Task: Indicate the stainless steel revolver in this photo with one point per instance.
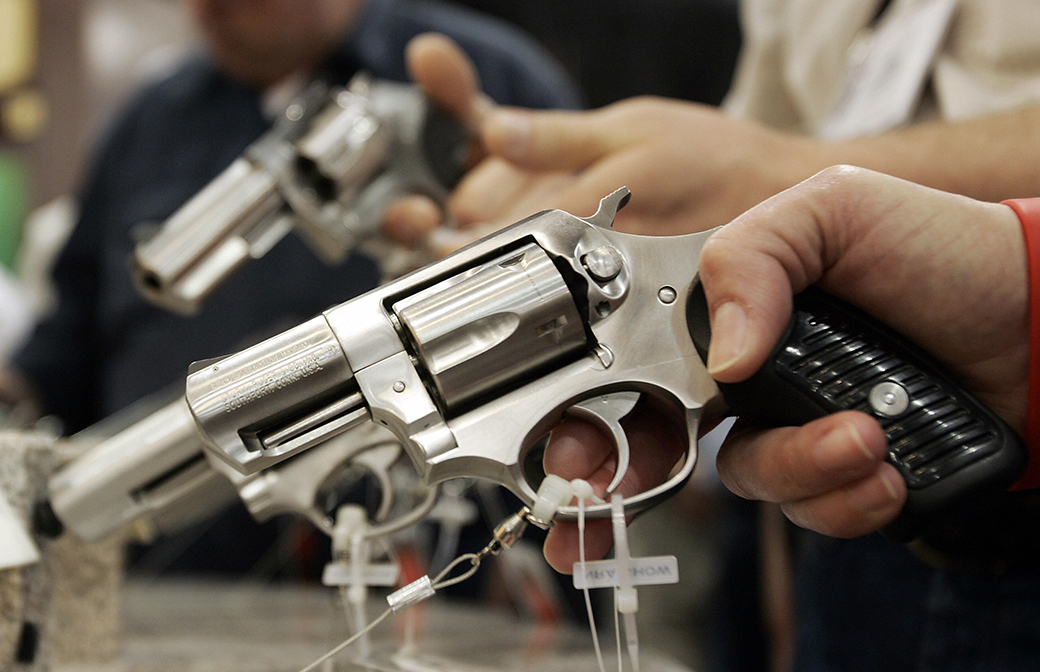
(471, 360)
(329, 167)
(154, 473)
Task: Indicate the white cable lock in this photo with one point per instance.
(553, 493)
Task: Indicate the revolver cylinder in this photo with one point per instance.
(493, 326)
(345, 147)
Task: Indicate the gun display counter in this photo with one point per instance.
(74, 611)
(198, 627)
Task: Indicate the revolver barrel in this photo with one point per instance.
(155, 469)
(237, 217)
(278, 397)
(156, 473)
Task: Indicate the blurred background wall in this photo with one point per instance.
(64, 66)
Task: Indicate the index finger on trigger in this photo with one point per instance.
(577, 449)
(580, 450)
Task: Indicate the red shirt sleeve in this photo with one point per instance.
(1028, 211)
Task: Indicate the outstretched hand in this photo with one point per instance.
(690, 167)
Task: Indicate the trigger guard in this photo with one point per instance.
(605, 412)
(378, 459)
(653, 496)
(380, 469)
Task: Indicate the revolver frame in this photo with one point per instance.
(434, 356)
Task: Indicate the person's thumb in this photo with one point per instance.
(752, 267)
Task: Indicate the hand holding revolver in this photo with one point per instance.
(946, 271)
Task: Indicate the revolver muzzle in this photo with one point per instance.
(154, 469)
(237, 217)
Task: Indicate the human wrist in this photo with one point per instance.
(804, 158)
(1028, 211)
(883, 153)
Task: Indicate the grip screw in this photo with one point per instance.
(889, 399)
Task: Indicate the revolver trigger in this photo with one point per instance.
(606, 412)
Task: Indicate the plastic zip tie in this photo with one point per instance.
(627, 597)
(357, 593)
(583, 490)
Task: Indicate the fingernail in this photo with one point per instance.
(510, 133)
(729, 337)
(831, 451)
(877, 494)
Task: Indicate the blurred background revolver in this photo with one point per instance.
(471, 360)
(146, 467)
(329, 167)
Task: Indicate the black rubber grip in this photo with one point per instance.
(948, 446)
(445, 145)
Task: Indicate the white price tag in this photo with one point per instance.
(648, 571)
(342, 574)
